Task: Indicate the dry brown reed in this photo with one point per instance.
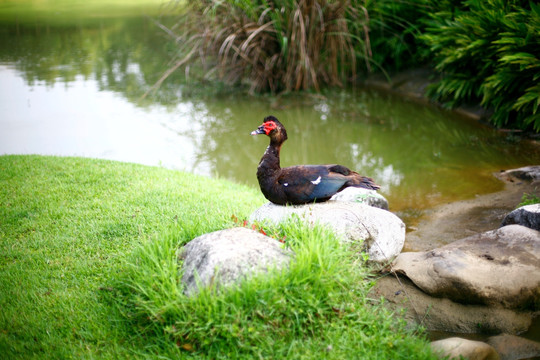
(273, 45)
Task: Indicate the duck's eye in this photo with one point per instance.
(269, 126)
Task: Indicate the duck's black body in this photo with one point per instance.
(300, 184)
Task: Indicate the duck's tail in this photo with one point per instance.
(354, 178)
(363, 182)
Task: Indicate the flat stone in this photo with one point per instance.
(228, 256)
(496, 268)
(527, 173)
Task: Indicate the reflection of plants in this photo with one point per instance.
(121, 54)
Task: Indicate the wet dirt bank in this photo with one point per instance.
(450, 222)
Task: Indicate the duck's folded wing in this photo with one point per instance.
(305, 184)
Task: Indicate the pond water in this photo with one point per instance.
(71, 80)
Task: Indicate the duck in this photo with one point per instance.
(301, 184)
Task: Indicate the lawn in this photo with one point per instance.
(88, 270)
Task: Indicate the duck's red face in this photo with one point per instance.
(266, 128)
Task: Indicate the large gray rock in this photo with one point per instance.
(229, 256)
(361, 196)
(382, 233)
(511, 347)
(458, 348)
(440, 314)
(528, 216)
(499, 267)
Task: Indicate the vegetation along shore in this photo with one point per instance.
(482, 52)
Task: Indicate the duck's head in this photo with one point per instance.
(272, 128)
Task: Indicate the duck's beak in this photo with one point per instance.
(259, 131)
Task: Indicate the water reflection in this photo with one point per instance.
(421, 156)
(74, 90)
(126, 55)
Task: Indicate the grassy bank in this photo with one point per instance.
(67, 225)
(88, 271)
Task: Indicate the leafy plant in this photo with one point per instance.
(394, 31)
(489, 52)
(529, 199)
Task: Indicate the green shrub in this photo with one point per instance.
(394, 31)
(488, 52)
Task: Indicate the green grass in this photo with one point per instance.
(317, 308)
(89, 270)
(66, 225)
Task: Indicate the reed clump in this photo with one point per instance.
(274, 45)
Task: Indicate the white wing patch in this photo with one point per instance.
(286, 184)
(316, 182)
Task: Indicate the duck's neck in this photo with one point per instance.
(269, 165)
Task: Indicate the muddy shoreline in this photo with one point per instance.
(453, 221)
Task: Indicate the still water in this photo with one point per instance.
(71, 85)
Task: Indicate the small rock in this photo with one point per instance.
(455, 348)
(527, 173)
(512, 347)
(361, 196)
(528, 216)
(382, 233)
(228, 256)
(496, 268)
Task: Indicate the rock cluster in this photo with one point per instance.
(488, 282)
